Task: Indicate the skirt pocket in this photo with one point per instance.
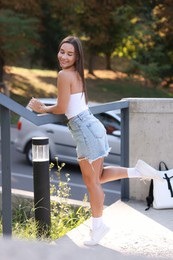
(96, 128)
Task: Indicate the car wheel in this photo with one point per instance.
(28, 152)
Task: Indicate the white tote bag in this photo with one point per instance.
(163, 191)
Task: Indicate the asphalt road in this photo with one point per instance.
(22, 178)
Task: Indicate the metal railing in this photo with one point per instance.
(7, 105)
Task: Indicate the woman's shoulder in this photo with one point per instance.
(66, 74)
(63, 73)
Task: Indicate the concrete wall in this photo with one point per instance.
(150, 137)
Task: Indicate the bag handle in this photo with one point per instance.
(150, 196)
(164, 164)
(169, 183)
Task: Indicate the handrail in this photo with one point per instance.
(40, 119)
(7, 105)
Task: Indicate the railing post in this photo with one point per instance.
(6, 171)
(125, 151)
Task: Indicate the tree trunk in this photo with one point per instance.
(3, 88)
(90, 64)
(108, 61)
(1, 69)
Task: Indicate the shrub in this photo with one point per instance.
(64, 216)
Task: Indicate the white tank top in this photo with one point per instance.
(77, 104)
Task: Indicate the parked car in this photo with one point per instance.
(61, 143)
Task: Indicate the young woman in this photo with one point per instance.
(88, 133)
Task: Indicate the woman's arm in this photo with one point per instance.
(63, 85)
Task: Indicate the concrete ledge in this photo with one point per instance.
(21, 196)
(151, 105)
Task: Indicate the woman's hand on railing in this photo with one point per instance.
(37, 106)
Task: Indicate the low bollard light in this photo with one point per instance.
(40, 159)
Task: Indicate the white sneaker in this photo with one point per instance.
(147, 172)
(97, 235)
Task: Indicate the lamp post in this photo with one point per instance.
(40, 159)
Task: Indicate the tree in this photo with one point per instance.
(164, 27)
(144, 45)
(57, 21)
(103, 27)
(30, 7)
(18, 36)
(117, 27)
(163, 11)
(18, 31)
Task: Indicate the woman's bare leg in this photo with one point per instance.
(91, 174)
(113, 173)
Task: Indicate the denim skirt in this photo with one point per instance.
(89, 135)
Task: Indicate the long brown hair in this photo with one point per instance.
(79, 64)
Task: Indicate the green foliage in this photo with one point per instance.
(18, 35)
(150, 61)
(103, 24)
(145, 48)
(64, 216)
(22, 211)
(50, 35)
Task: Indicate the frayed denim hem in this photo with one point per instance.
(92, 160)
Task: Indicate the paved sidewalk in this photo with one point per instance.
(135, 235)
